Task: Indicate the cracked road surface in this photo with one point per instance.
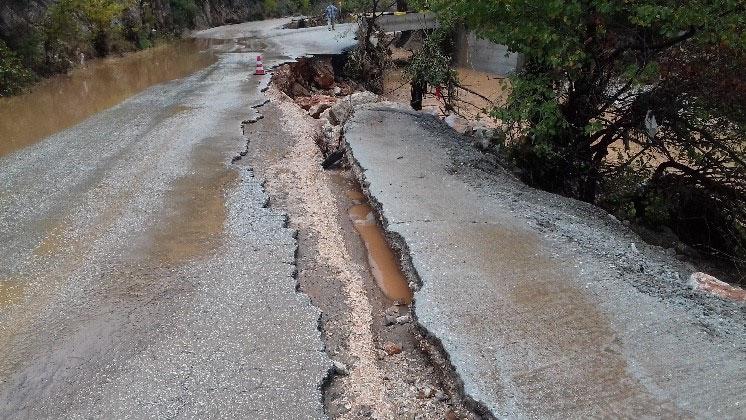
(142, 274)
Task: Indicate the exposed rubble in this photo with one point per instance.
(315, 87)
(710, 284)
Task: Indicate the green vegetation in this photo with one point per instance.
(13, 75)
(369, 60)
(431, 65)
(285, 7)
(184, 13)
(635, 105)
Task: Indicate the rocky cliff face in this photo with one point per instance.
(221, 12)
(21, 15)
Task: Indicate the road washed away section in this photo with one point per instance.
(144, 276)
(544, 305)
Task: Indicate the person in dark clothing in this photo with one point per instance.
(418, 92)
(331, 13)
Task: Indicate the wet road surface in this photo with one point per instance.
(142, 274)
(542, 305)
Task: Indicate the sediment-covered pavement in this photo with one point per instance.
(142, 274)
(547, 307)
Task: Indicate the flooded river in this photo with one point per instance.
(65, 100)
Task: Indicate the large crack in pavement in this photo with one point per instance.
(380, 371)
(439, 355)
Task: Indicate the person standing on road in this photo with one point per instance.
(331, 14)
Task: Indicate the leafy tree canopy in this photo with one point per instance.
(653, 88)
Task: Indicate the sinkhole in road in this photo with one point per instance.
(384, 264)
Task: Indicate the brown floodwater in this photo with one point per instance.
(65, 100)
(383, 262)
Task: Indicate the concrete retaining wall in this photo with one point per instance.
(472, 51)
(408, 22)
(482, 55)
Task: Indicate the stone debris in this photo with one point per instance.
(450, 415)
(305, 76)
(316, 110)
(309, 102)
(710, 284)
(486, 138)
(404, 319)
(344, 108)
(389, 319)
(391, 348)
(330, 138)
(426, 392)
(340, 368)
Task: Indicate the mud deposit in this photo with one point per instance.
(195, 209)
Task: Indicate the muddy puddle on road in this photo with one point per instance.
(384, 264)
(10, 291)
(192, 222)
(65, 100)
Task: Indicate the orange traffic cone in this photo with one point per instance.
(259, 66)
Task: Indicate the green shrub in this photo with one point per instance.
(13, 75)
(78, 25)
(184, 12)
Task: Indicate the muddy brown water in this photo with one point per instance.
(384, 264)
(65, 100)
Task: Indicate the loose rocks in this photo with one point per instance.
(340, 368)
(391, 348)
(710, 284)
(342, 110)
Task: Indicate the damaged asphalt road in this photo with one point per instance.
(143, 275)
(547, 307)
